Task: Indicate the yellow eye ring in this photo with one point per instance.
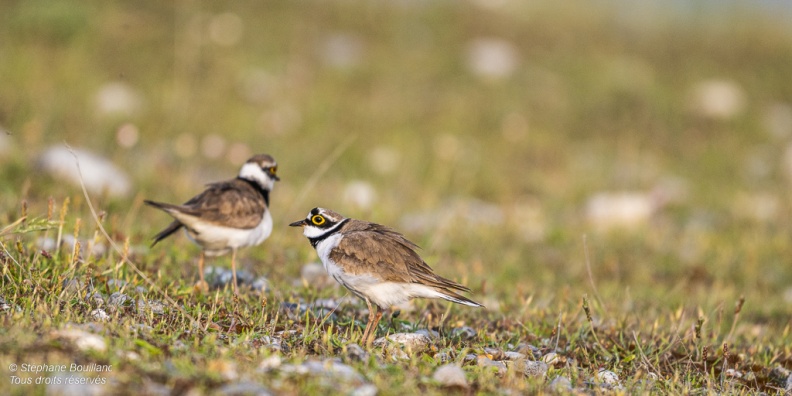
(274, 170)
(318, 220)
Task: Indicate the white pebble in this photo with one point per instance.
(450, 375)
(98, 174)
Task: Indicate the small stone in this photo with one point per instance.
(315, 275)
(732, 373)
(118, 301)
(68, 383)
(98, 174)
(100, 315)
(433, 335)
(410, 342)
(464, 333)
(608, 377)
(153, 306)
(334, 370)
(81, 339)
(243, 388)
(220, 277)
(500, 367)
(442, 357)
(356, 353)
(96, 299)
(551, 358)
(560, 384)
(4, 306)
(530, 368)
(530, 351)
(450, 375)
(470, 358)
(779, 375)
(494, 353)
(270, 363)
(260, 284)
(509, 355)
(365, 390)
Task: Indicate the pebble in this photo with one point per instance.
(780, 376)
(243, 388)
(118, 301)
(154, 306)
(464, 333)
(96, 299)
(494, 353)
(410, 342)
(492, 58)
(608, 377)
(4, 306)
(68, 384)
(270, 363)
(530, 351)
(330, 368)
(509, 355)
(100, 315)
(530, 368)
(98, 174)
(484, 361)
(433, 335)
(450, 375)
(219, 277)
(365, 390)
(356, 353)
(81, 339)
(560, 384)
(551, 358)
(315, 275)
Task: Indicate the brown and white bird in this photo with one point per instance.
(376, 263)
(228, 215)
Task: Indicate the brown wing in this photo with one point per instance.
(369, 247)
(233, 203)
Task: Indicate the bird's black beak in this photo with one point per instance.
(301, 223)
(274, 176)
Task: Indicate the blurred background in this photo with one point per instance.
(505, 137)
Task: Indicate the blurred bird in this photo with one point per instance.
(228, 215)
(375, 263)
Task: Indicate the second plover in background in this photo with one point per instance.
(228, 215)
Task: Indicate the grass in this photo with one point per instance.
(490, 175)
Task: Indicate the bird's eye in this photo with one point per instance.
(274, 170)
(318, 220)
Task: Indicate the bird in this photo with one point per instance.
(376, 263)
(227, 215)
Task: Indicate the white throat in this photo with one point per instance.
(253, 172)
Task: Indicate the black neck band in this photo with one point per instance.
(315, 240)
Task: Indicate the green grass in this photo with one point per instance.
(599, 101)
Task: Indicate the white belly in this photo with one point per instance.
(383, 294)
(217, 240)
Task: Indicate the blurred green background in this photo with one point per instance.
(496, 134)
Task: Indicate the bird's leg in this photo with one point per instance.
(201, 286)
(233, 270)
(200, 267)
(368, 324)
(374, 325)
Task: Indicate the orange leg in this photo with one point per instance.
(233, 270)
(368, 324)
(200, 267)
(373, 332)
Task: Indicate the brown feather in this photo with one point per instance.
(232, 203)
(379, 251)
